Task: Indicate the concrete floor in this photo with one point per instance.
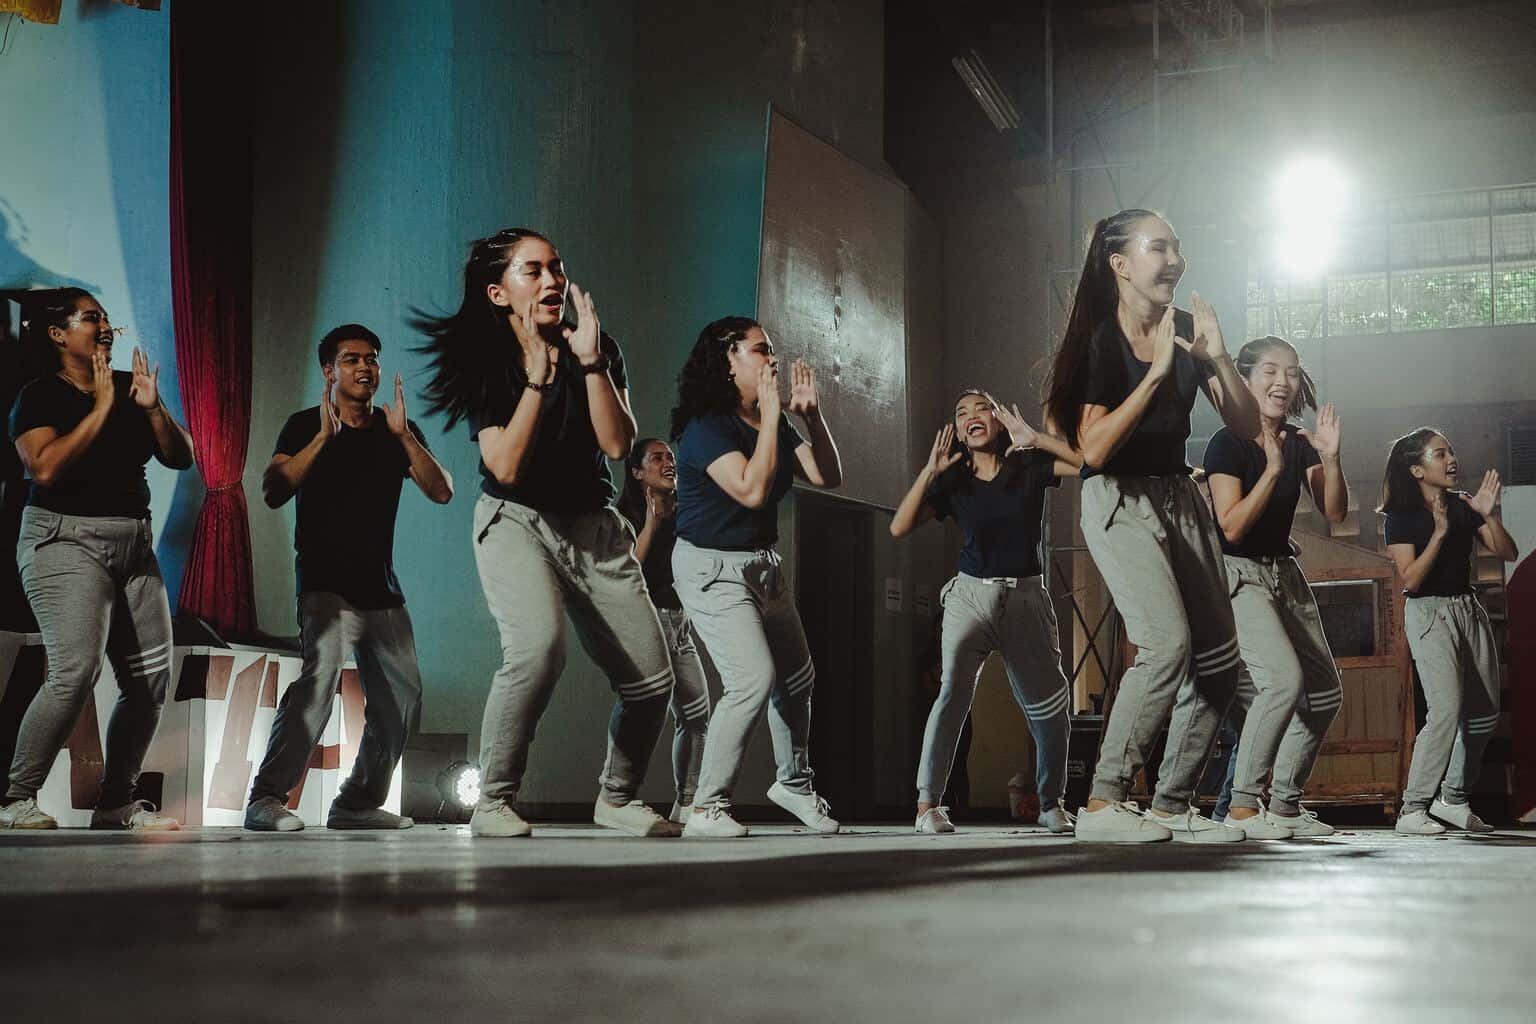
(992, 924)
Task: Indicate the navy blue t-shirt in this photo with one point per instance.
(707, 517)
(1156, 445)
(566, 471)
(999, 517)
(344, 520)
(1451, 573)
(108, 477)
(1230, 455)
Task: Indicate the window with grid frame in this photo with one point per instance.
(1458, 259)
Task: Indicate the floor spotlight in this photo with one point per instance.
(1310, 198)
(459, 787)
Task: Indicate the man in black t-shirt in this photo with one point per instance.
(345, 462)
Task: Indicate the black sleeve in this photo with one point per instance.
(1398, 529)
(32, 410)
(300, 429)
(496, 414)
(1306, 455)
(937, 497)
(617, 372)
(1224, 454)
(1106, 371)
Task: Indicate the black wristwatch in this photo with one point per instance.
(601, 366)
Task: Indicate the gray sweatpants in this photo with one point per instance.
(95, 587)
(1458, 662)
(1156, 547)
(690, 703)
(744, 613)
(536, 568)
(1016, 619)
(331, 628)
(1289, 691)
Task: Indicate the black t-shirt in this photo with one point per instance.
(344, 533)
(707, 517)
(566, 471)
(999, 517)
(1230, 455)
(1451, 573)
(108, 477)
(1156, 445)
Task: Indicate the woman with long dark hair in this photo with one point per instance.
(1121, 390)
(738, 456)
(548, 404)
(86, 555)
(649, 502)
(1289, 691)
(1431, 531)
(990, 470)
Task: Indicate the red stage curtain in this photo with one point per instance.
(211, 293)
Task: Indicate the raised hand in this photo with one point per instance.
(1207, 344)
(1274, 450)
(541, 360)
(394, 415)
(659, 506)
(1164, 341)
(1020, 433)
(584, 338)
(101, 378)
(943, 454)
(1438, 512)
(330, 417)
(802, 389)
(146, 383)
(1325, 436)
(768, 403)
(1487, 497)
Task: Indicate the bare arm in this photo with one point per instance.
(817, 463)
(612, 420)
(1414, 568)
(1236, 512)
(173, 445)
(1226, 388)
(47, 454)
(1492, 533)
(749, 481)
(913, 510)
(428, 474)
(1102, 430)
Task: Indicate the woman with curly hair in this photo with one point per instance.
(649, 502)
(738, 456)
(548, 404)
(1431, 530)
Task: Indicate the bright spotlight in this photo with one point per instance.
(459, 785)
(1310, 198)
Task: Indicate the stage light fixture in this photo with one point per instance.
(459, 785)
(1310, 197)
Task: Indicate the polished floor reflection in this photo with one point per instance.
(991, 924)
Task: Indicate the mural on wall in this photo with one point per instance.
(832, 290)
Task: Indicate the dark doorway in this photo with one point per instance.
(834, 584)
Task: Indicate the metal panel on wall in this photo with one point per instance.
(831, 290)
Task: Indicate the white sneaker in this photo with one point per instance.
(635, 818)
(1120, 822)
(1261, 826)
(809, 808)
(340, 817)
(1058, 819)
(934, 821)
(680, 813)
(497, 820)
(269, 814)
(1194, 827)
(1304, 825)
(713, 823)
(26, 814)
(1417, 823)
(139, 816)
(1458, 815)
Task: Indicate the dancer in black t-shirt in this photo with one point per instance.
(548, 404)
(345, 461)
(649, 502)
(86, 554)
(1289, 691)
(990, 470)
(1430, 532)
(1121, 390)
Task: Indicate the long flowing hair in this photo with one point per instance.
(1096, 299)
(1249, 355)
(1399, 488)
(705, 386)
(474, 353)
(632, 495)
